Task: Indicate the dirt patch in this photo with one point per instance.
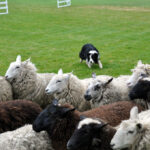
(138, 9)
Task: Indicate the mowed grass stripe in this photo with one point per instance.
(53, 37)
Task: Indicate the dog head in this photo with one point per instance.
(93, 56)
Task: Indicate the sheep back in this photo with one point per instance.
(5, 90)
(14, 114)
(113, 113)
(25, 138)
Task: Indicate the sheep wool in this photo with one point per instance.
(6, 90)
(25, 138)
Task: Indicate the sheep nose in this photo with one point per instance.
(87, 97)
(112, 145)
(46, 90)
(69, 146)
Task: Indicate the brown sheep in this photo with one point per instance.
(16, 113)
(61, 121)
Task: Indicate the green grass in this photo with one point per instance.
(53, 37)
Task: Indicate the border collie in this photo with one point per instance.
(91, 55)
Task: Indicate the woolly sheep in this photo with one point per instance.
(70, 88)
(5, 90)
(141, 70)
(60, 121)
(27, 83)
(16, 113)
(25, 138)
(91, 134)
(101, 92)
(134, 133)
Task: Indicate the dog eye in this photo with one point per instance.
(130, 132)
(58, 81)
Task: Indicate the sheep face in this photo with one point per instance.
(49, 116)
(19, 69)
(86, 135)
(126, 134)
(95, 90)
(13, 69)
(58, 84)
(141, 89)
(141, 70)
(136, 75)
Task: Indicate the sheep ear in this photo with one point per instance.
(55, 102)
(134, 113)
(96, 142)
(67, 110)
(104, 125)
(71, 72)
(100, 126)
(60, 71)
(18, 59)
(139, 63)
(28, 60)
(105, 84)
(68, 76)
(94, 75)
(82, 117)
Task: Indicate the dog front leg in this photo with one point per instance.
(100, 64)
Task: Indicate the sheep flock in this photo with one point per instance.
(59, 111)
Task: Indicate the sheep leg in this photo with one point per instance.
(100, 64)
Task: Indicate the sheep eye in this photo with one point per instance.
(130, 132)
(58, 81)
(97, 87)
(143, 75)
(17, 67)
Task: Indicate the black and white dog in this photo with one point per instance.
(91, 55)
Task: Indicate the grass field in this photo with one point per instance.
(53, 37)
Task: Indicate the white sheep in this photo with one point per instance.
(141, 70)
(27, 83)
(101, 92)
(25, 138)
(5, 90)
(68, 88)
(134, 133)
